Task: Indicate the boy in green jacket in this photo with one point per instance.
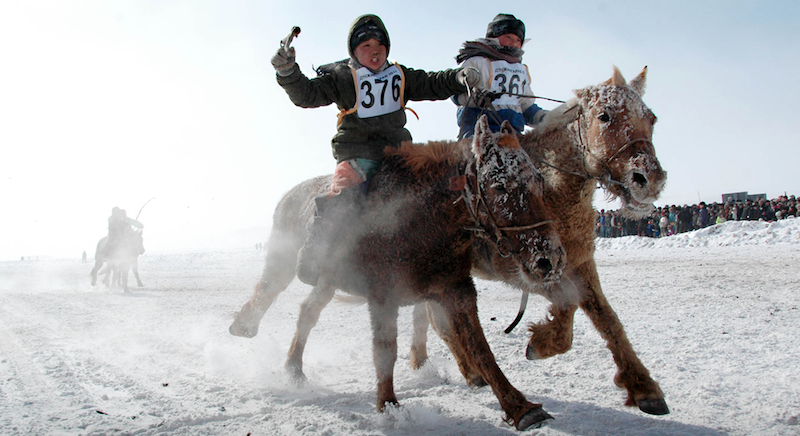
(371, 94)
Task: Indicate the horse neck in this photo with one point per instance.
(558, 154)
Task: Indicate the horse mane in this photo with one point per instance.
(431, 158)
(559, 117)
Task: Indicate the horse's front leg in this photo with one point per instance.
(552, 336)
(136, 274)
(419, 340)
(460, 306)
(124, 279)
(442, 325)
(632, 375)
(108, 276)
(383, 317)
(309, 315)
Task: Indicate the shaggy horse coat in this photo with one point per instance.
(603, 136)
(413, 242)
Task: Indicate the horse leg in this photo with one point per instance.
(552, 336)
(278, 273)
(443, 327)
(136, 273)
(108, 274)
(384, 349)
(124, 278)
(111, 278)
(419, 348)
(309, 315)
(461, 308)
(631, 375)
(98, 263)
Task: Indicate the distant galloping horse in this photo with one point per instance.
(413, 242)
(119, 259)
(603, 136)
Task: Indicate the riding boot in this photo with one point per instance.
(330, 212)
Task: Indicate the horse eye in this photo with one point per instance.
(604, 117)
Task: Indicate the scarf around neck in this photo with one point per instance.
(490, 49)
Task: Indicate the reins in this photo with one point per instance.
(501, 239)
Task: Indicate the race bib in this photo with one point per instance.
(378, 94)
(511, 80)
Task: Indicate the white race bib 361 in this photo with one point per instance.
(509, 79)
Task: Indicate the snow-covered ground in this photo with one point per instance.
(713, 314)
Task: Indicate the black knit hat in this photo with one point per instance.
(365, 32)
(504, 24)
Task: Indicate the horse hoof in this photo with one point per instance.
(654, 406)
(242, 332)
(533, 418)
(477, 382)
(296, 375)
(530, 353)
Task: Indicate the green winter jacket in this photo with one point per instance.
(365, 138)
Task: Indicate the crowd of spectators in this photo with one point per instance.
(669, 220)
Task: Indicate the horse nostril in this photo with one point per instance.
(639, 179)
(544, 266)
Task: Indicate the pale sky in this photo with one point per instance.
(111, 103)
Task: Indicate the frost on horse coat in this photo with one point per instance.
(603, 136)
(411, 244)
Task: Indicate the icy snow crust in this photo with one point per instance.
(713, 314)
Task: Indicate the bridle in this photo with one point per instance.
(604, 179)
(491, 230)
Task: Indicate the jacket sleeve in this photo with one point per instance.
(484, 66)
(309, 93)
(534, 114)
(438, 85)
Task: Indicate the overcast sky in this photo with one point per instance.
(112, 103)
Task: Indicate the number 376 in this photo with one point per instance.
(382, 85)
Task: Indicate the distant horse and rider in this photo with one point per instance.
(120, 250)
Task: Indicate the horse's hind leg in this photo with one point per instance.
(278, 273)
(309, 315)
(419, 348)
(460, 306)
(384, 350)
(632, 375)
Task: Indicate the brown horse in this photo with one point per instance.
(120, 259)
(413, 241)
(603, 136)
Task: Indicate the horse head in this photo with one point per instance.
(505, 194)
(616, 132)
(139, 241)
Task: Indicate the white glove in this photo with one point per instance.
(470, 77)
(283, 61)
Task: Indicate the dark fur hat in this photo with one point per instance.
(504, 24)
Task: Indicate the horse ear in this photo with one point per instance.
(506, 128)
(616, 79)
(481, 131)
(638, 82)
